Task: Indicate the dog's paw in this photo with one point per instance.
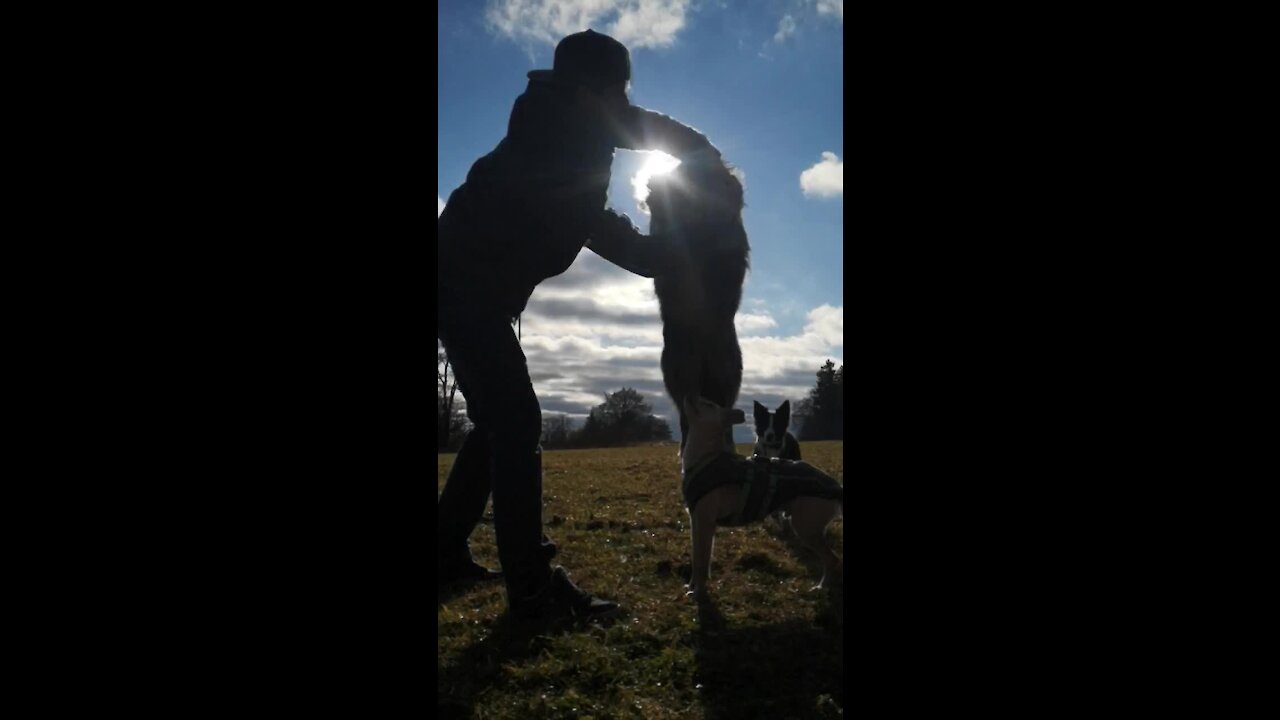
(695, 593)
(829, 582)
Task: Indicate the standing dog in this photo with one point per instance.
(699, 207)
(772, 438)
(774, 441)
(723, 488)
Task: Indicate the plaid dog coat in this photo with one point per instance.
(767, 484)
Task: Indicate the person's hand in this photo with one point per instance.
(611, 224)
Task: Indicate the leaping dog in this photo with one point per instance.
(699, 207)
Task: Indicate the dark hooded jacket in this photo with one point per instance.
(527, 208)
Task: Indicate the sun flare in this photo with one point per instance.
(656, 163)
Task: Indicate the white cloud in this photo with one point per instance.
(597, 301)
(648, 23)
(786, 28)
(440, 209)
(774, 361)
(750, 323)
(827, 322)
(634, 23)
(832, 7)
(596, 329)
(825, 179)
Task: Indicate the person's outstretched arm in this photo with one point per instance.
(615, 239)
(641, 129)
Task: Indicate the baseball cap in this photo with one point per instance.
(590, 59)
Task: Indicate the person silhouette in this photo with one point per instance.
(522, 215)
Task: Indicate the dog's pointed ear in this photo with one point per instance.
(762, 412)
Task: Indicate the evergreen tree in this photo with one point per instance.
(821, 414)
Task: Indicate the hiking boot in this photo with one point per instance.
(464, 571)
(560, 599)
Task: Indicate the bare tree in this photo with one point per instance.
(556, 431)
(449, 419)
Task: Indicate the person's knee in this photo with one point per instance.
(520, 430)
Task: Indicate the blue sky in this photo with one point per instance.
(764, 81)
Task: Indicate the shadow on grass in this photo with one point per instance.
(448, 592)
(479, 666)
(785, 670)
(459, 683)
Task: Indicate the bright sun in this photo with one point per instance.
(657, 163)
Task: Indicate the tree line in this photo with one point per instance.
(626, 418)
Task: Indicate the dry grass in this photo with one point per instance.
(769, 647)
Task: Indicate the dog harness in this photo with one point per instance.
(787, 448)
(767, 484)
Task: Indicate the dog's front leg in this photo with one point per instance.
(703, 523)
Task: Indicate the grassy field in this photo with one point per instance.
(768, 647)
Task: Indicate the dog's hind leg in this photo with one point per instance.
(809, 520)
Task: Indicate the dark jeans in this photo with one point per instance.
(501, 453)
